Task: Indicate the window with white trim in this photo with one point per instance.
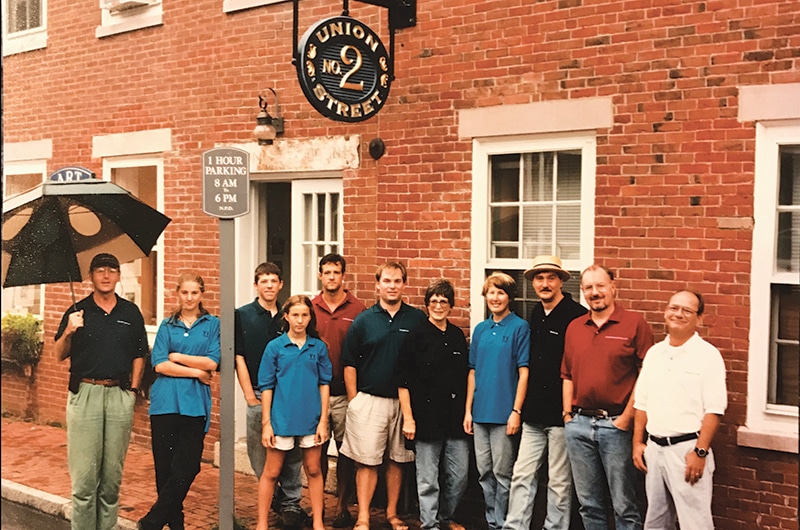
(531, 196)
(141, 281)
(774, 354)
(316, 229)
(24, 25)
(230, 6)
(120, 16)
(17, 178)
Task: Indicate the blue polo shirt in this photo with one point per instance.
(295, 375)
(186, 396)
(497, 352)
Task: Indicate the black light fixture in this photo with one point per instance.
(268, 127)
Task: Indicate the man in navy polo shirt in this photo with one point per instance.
(374, 424)
(105, 340)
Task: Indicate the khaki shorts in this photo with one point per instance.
(374, 425)
(337, 408)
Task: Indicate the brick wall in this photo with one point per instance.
(674, 186)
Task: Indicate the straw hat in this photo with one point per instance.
(547, 264)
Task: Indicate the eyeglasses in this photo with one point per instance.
(677, 309)
(443, 303)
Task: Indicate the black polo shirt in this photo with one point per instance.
(433, 366)
(254, 327)
(373, 344)
(543, 402)
(107, 344)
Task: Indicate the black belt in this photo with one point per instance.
(672, 440)
(597, 413)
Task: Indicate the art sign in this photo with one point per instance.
(343, 68)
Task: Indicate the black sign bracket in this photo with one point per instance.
(402, 14)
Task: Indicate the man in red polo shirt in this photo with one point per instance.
(602, 357)
(335, 308)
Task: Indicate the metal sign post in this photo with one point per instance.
(226, 185)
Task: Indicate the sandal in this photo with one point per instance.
(396, 523)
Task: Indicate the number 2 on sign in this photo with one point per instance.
(344, 83)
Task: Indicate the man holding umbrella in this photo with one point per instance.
(104, 337)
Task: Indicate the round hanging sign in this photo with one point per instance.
(343, 69)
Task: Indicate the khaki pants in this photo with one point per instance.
(99, 421)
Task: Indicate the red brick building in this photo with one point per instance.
(658, 137)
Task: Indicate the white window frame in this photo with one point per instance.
(131, 161)
(24, 41)
(768, 425)
(116, 22)
(230, 6)
(482, 149)
(304, 274)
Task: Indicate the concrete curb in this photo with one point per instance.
(48, 503)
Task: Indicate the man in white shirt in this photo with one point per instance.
(680, 399)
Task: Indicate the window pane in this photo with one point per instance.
(568, 231)
(308, 211)
(321, 203)
(537, 230)
(788, 237)
(538, 183)
(334, 217)
(505, 223)
(569, 176)
(138, 279)
(23, 182)
(24, 15)
(505, 178)
(785, 357)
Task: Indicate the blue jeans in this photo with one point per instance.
(601, 455)
(495, 453)
(290, 485)
(536, 443)
(437, 506)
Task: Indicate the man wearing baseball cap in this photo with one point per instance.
(105, 340)
(542, 420)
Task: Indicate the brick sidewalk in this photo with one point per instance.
(36, 456)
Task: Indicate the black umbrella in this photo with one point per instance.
(51, 232)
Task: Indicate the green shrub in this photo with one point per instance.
(21, 342)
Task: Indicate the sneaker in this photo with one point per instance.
(293, 519)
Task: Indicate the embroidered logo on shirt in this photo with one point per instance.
(403, 330)
(123, 322)
(614, 337)
(553, 332)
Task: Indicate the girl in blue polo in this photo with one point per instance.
(185, 356)
(294, 379)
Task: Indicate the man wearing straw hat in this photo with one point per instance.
(104, 337)
(542, 419)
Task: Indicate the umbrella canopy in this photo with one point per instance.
(51, 232)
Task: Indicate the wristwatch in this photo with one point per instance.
(136, 391)
(702, 453)
(565, 413)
